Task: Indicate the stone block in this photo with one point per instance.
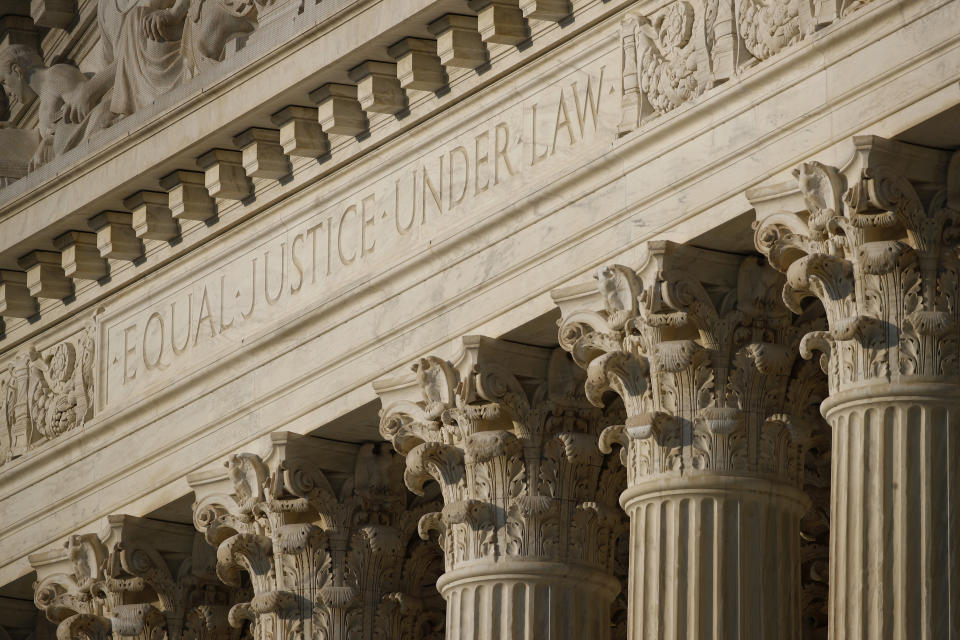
(79, 256)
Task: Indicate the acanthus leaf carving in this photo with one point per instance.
(326, 553)
(141, 579)
(44, 394)
(878, 254)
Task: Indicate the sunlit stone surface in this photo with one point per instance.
(477, 320)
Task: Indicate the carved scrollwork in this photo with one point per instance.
(327, 556)
(44, 394)
(514, 453)
(881, 257)
(142, 579)
(708, 374)
(684, 48)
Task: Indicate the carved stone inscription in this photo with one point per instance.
(333, 246)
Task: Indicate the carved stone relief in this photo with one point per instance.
(681, 50)
(874, 247)
(150, 47)
(719, 407)
(512, 442)
(141, 578)
(44, 394)
(328, 555)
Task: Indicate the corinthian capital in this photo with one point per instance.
(138, 577)
(701, 351)
(876, 244)
(326, 536)
(507, 434)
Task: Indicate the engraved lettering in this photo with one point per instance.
(435, 193)
(500, 150)
(479, 161)
(403, 228)
(253, 292)
(462, 152)
(272, 299)
(534, 156)
(588, 102)
(177, 350)
(148, 361)
(129, 350)
(344, 259)
(297, 265)
(223, 314)
(367, 206)
(205, 315)
(563, 120)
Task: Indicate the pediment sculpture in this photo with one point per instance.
(149, 49)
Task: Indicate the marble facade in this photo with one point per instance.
(479, 320)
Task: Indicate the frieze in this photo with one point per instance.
(327, 247)
(46, 392)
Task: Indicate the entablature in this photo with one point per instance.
(479, 255)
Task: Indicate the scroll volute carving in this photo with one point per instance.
(46, 393)
(702, 353)
(876, 244)
(508, 436)
(139, 578)
(327, 554)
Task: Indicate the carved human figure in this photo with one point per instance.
(203, 27)
(25, 78)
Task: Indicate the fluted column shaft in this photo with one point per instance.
(529, 525)
(895, 512)
(878, 246)
(714, 558)
(719, 411)
(528, 600)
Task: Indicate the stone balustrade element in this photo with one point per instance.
(875, 245)
(329, 553)
(45, 393)
(529, 524)
(139, 578)
(718, 414)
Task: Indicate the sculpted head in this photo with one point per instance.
(17, 63)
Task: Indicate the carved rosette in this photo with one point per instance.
(719, 410)
(875, 245)
(529, 503)
(328, 555)
(141, 579)
(44, 394)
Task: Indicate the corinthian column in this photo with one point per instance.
(876, 244)
(529, 520)
(325, 534)
(137, 578)
(717, 416)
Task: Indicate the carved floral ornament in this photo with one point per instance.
(326, 555)
(44, 394)
(140, 579)
(877, 246)
(706, 368)
(512, 443)
(681, 50)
